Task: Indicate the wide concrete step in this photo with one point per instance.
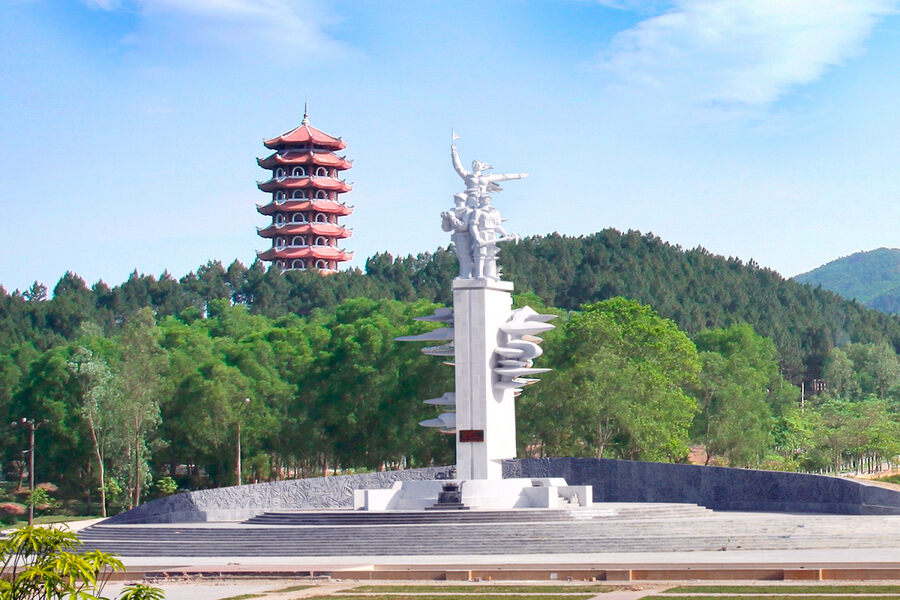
(616, 511)
(714, 531)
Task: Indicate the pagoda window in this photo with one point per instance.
(279, 219)
(298, 241)
(299, 218)
(321, 218)
(279, 173)
(321, 172)
(321, 241)
(299, 172)
(279, 264)
(298, 264)
(299, 194)
(279, 197)
(321, 264)
(321, 195)
(279, 242)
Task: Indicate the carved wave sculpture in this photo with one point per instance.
(440, 315)
(448, 399)
(442, 350)
(515, 358)
(446, 422)
(437, 335)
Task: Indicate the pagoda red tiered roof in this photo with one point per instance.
(329, 207)
(313, 150)
(304, 157)
(299, 183)
(306, 134)
(289, 253)
(326, 229)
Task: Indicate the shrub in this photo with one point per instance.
(42, 501)
(167, 486)
(10, 512)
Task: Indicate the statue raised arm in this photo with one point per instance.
(477, 181)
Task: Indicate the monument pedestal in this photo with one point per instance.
(477, 494)
(485, 415)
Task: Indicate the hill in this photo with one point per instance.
(696, 289)
(872, 278)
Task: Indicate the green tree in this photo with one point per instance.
(98, 401)
(840, 375)
(621, 386)
(741, 392)
(141, 378)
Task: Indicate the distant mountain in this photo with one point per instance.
(872, 278)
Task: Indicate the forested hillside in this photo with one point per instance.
(871, 277)
(656, 349)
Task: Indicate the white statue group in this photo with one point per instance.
(476, 227)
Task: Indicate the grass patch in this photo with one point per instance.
(771, 597)
(432, 596)
(785, 589)
(562, 588)
(47, 520)
(292, 588)
(890, 479)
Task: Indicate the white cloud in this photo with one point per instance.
(285, 29)
(644, 6)
(740, 52)
(103, 4)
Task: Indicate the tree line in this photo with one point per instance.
(694, 288)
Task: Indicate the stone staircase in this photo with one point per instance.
(613, 528)
(344, 517)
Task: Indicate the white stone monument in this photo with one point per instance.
(493, 347)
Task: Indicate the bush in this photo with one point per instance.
(10, 512)
(167, 486)
(42, 501)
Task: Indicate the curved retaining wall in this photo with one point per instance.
(718, 488)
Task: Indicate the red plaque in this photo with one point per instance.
(471, 435)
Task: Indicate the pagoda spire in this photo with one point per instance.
(305, 120)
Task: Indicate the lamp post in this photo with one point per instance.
(237, 468)
(31, 425)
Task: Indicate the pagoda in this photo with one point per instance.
(305, 204)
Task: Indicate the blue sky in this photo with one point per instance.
(762, 129)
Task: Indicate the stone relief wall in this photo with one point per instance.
(242, 502)
(718, 488)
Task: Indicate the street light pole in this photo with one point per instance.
(237, 469)
(31, 425)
